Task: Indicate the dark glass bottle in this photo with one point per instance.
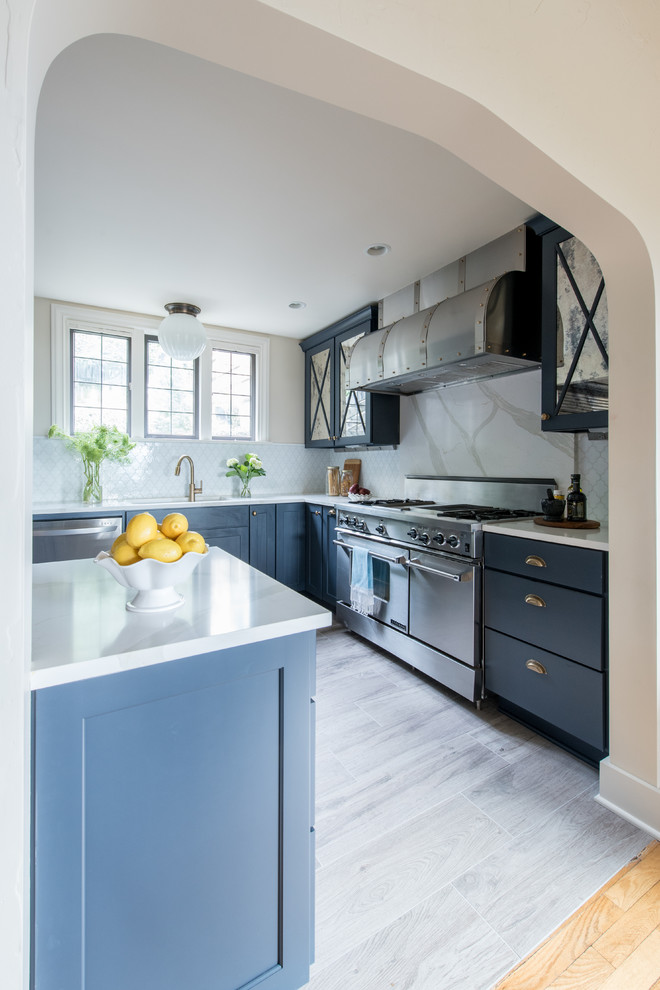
(576, 501)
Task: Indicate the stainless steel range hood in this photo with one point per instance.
(492, 329)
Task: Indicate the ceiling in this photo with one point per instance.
(161, 177)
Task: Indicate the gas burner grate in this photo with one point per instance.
(483, 513)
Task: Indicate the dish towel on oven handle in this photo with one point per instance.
(362, 581)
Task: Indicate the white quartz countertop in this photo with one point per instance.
(174, 501)
(590, 539)
(81, 628)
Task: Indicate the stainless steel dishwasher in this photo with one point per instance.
(73, 539)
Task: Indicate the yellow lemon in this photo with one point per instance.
(174, 525)
(118, 542)
(191, 542)
(125, 554)
(166, 550)
(140, 529)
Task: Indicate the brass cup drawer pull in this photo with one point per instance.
(536, 667)
(535, 561)
(535, 600)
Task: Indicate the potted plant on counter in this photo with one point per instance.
(96, 445)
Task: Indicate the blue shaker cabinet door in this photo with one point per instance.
(262, 538)
(172, 825)
(290, 545)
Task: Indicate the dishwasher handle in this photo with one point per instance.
(87, 531)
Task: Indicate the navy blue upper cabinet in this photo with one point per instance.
(335, 416)
(575, 334)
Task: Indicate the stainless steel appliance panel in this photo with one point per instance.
(73, 539)
(389, 574)
(445, 605)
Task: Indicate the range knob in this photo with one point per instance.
(380, 528)
(439, 538)
(424, 537)
(355, 521)
(362, 525)
(412, 533)
(453, 541)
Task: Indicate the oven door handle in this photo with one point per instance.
(465, 575)
(377, 556)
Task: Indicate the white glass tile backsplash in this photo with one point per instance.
(290, 469)
(486, 429)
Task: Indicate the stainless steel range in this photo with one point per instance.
(409, 571)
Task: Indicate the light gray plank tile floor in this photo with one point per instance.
(450, 841)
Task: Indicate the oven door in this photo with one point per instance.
(445, 604)
(389, 573)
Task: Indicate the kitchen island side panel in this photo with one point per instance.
(172, 824)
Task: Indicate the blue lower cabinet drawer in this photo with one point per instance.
(571, 623)
(572, 567)
(562, 693)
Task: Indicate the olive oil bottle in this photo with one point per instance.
(576, 501)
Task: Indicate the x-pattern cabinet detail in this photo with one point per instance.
(335, 415)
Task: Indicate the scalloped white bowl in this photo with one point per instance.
(364, 499)
(153, 580)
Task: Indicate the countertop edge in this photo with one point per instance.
(122, 662)
(158, 502)
(588, 539)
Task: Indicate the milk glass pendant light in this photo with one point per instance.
(181, 335)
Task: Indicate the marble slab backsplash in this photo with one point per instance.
(484, 429)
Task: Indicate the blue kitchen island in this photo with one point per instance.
(172, 782)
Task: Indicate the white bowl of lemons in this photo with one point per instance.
(152, 558)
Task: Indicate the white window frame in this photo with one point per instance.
(65, 318)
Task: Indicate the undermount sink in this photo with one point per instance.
(175, 500)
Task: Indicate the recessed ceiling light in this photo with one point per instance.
(297, 305)
(377, 250)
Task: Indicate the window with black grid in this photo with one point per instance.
(171, 394)
(100, 377)
(232, 395)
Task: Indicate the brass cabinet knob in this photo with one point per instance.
(254, 512)
(535, 561)
(535, 600)
(545, 417)
(536, 667)
(317, 512)
(332, 512)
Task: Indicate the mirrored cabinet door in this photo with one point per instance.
(575, 336)
(352, 405)
(320, 397)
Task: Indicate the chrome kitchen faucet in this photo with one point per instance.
(192, 491)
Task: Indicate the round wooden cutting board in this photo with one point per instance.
(567, 523)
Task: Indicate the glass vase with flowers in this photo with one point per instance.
(250, 467)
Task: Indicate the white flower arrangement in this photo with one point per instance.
(251, 467)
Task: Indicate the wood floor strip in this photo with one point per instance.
(640, 970)
(554, 960)
(588, 971)
(632, 928)
(635, 883)
(557, 953)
